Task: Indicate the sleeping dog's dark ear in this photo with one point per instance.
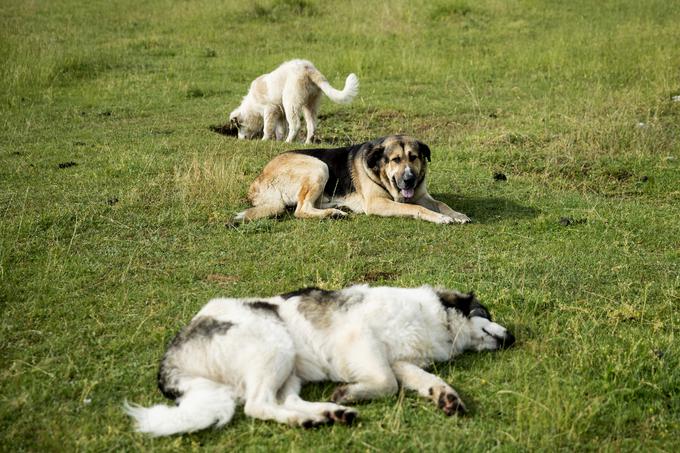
(373, 156)
(424, 150)
(465, 304)
(454, 299)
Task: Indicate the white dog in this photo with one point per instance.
(260, 351)
(292, 89)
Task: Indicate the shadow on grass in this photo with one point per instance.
(487, 210)
(224, 129)
(480, 210)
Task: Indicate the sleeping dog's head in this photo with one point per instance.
(471, 325)
(400, 162)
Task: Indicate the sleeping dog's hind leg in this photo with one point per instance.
(371, 372)
(290, 394)
(262, 403)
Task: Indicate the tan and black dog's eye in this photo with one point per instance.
(396, 160)
(412, 157)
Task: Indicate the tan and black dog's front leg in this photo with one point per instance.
(429, 386)
(439, 206)
(389, 208)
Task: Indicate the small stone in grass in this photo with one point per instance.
(67, 164)
(567, 221)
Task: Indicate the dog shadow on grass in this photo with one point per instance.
(487, 210)
(480, 210)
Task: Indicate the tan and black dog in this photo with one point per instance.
(384, 177)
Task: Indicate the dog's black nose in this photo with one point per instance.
(409, 180)
(507, 341)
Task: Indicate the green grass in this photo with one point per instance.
(101, 262)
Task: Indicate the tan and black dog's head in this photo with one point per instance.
(400, 162)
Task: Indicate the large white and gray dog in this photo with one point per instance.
(260, 351)
(277, 99)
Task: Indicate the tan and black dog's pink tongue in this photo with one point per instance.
(407, 193)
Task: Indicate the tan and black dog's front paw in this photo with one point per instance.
(447, 400)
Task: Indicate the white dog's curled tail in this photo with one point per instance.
(198, 409)
(341, 97)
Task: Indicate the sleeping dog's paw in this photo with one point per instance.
(343, 415)
(447, 400)
(316, 422)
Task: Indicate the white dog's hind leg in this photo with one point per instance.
(309, 111)
(261, 403)
(293, 118)
(203, 404)
(367, 360)
(267, 372)
(280, 128)
(290, 394)
(429, 386)
(311, 124)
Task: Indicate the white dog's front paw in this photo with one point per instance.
(343, 415)
(447, 400)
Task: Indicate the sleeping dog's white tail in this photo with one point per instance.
(206, 403)
(341, 97)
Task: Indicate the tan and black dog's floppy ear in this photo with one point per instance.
(424, 150)
(373, 156)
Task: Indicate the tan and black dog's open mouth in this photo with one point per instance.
(405, 192)
(408, 193)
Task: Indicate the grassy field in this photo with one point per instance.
(114, 195)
